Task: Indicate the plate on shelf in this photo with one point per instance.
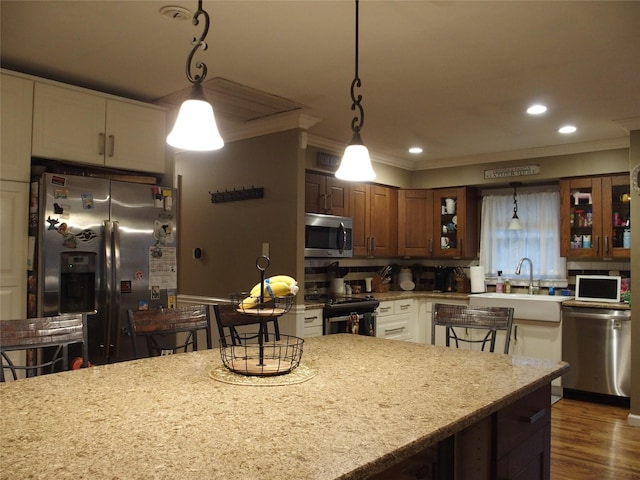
(407, 285)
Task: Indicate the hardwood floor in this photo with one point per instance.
(593, 441)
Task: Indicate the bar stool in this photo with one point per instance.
(41, 332)
(487, 319)
(227, 316)
(160, 326)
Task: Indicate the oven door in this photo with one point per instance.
(355, 323)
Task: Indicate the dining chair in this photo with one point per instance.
(488, 320)
(161, 328)
(228, 317)
(41, 332)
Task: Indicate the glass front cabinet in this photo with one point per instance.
(455, 222)
(595, 217)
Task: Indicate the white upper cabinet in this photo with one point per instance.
(16, 95)
(82, 127)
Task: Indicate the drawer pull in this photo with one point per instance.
(404, 307)
(387, 331)
(310, 319)
(537, 416)
(385, 309)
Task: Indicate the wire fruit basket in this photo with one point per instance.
(254, 356)
(255, 353)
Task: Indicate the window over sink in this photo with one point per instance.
(539, 238)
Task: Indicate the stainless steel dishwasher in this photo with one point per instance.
(597, 344)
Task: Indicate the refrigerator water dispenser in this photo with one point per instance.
(77, 282)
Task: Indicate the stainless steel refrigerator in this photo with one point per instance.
(104, 246)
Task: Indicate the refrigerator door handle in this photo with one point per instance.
(108, 269)
(116, 287)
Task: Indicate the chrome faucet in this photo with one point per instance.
(519, 268)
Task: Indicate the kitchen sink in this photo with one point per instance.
(545, 308)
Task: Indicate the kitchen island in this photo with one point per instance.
(369, 405)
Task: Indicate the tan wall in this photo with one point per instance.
(551, 168)
(231, 234)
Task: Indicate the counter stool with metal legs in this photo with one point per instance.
(42, 332)
(228, 317)
(456, 318)
(160, 327)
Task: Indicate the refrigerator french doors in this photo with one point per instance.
(105, 247)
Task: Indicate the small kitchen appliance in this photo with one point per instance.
(598, 288)
(327, 236)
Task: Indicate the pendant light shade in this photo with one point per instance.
(356, 163)
(195, 128)
(515, 224)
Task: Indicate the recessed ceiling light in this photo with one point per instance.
(415, 150)
(567, 129)
(536, 109)
(176, 13)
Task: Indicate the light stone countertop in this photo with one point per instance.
(371, 404)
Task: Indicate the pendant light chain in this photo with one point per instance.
(197, 43)
(357, 121)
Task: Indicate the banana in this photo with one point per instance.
(284, 285)
(276, 286)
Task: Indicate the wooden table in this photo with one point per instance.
(373, 405)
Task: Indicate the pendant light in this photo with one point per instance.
(195, 128)
(515, 224)
(356, 164)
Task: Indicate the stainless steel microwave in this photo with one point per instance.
(327, 236)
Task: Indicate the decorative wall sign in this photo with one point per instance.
(506, 172)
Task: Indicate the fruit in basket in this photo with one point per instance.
(276, 286)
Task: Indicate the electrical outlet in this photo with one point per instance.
(166, 352)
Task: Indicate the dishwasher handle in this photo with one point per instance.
(600, 315)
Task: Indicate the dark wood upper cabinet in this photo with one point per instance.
(325, 194)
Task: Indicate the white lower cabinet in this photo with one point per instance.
(530, 338)
(397, 320)
(312, 326)
(14, 210)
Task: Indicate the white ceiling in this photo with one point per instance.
(453, 77)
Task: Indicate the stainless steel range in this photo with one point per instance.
(356, 315)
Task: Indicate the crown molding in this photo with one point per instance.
(267, 125)
(629, 124)
(538, 152)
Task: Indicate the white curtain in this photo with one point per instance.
(539, 238)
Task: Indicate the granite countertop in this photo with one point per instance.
(371, 404)
(398, 295)
(605, 305)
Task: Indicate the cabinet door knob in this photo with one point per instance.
(101, 141)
